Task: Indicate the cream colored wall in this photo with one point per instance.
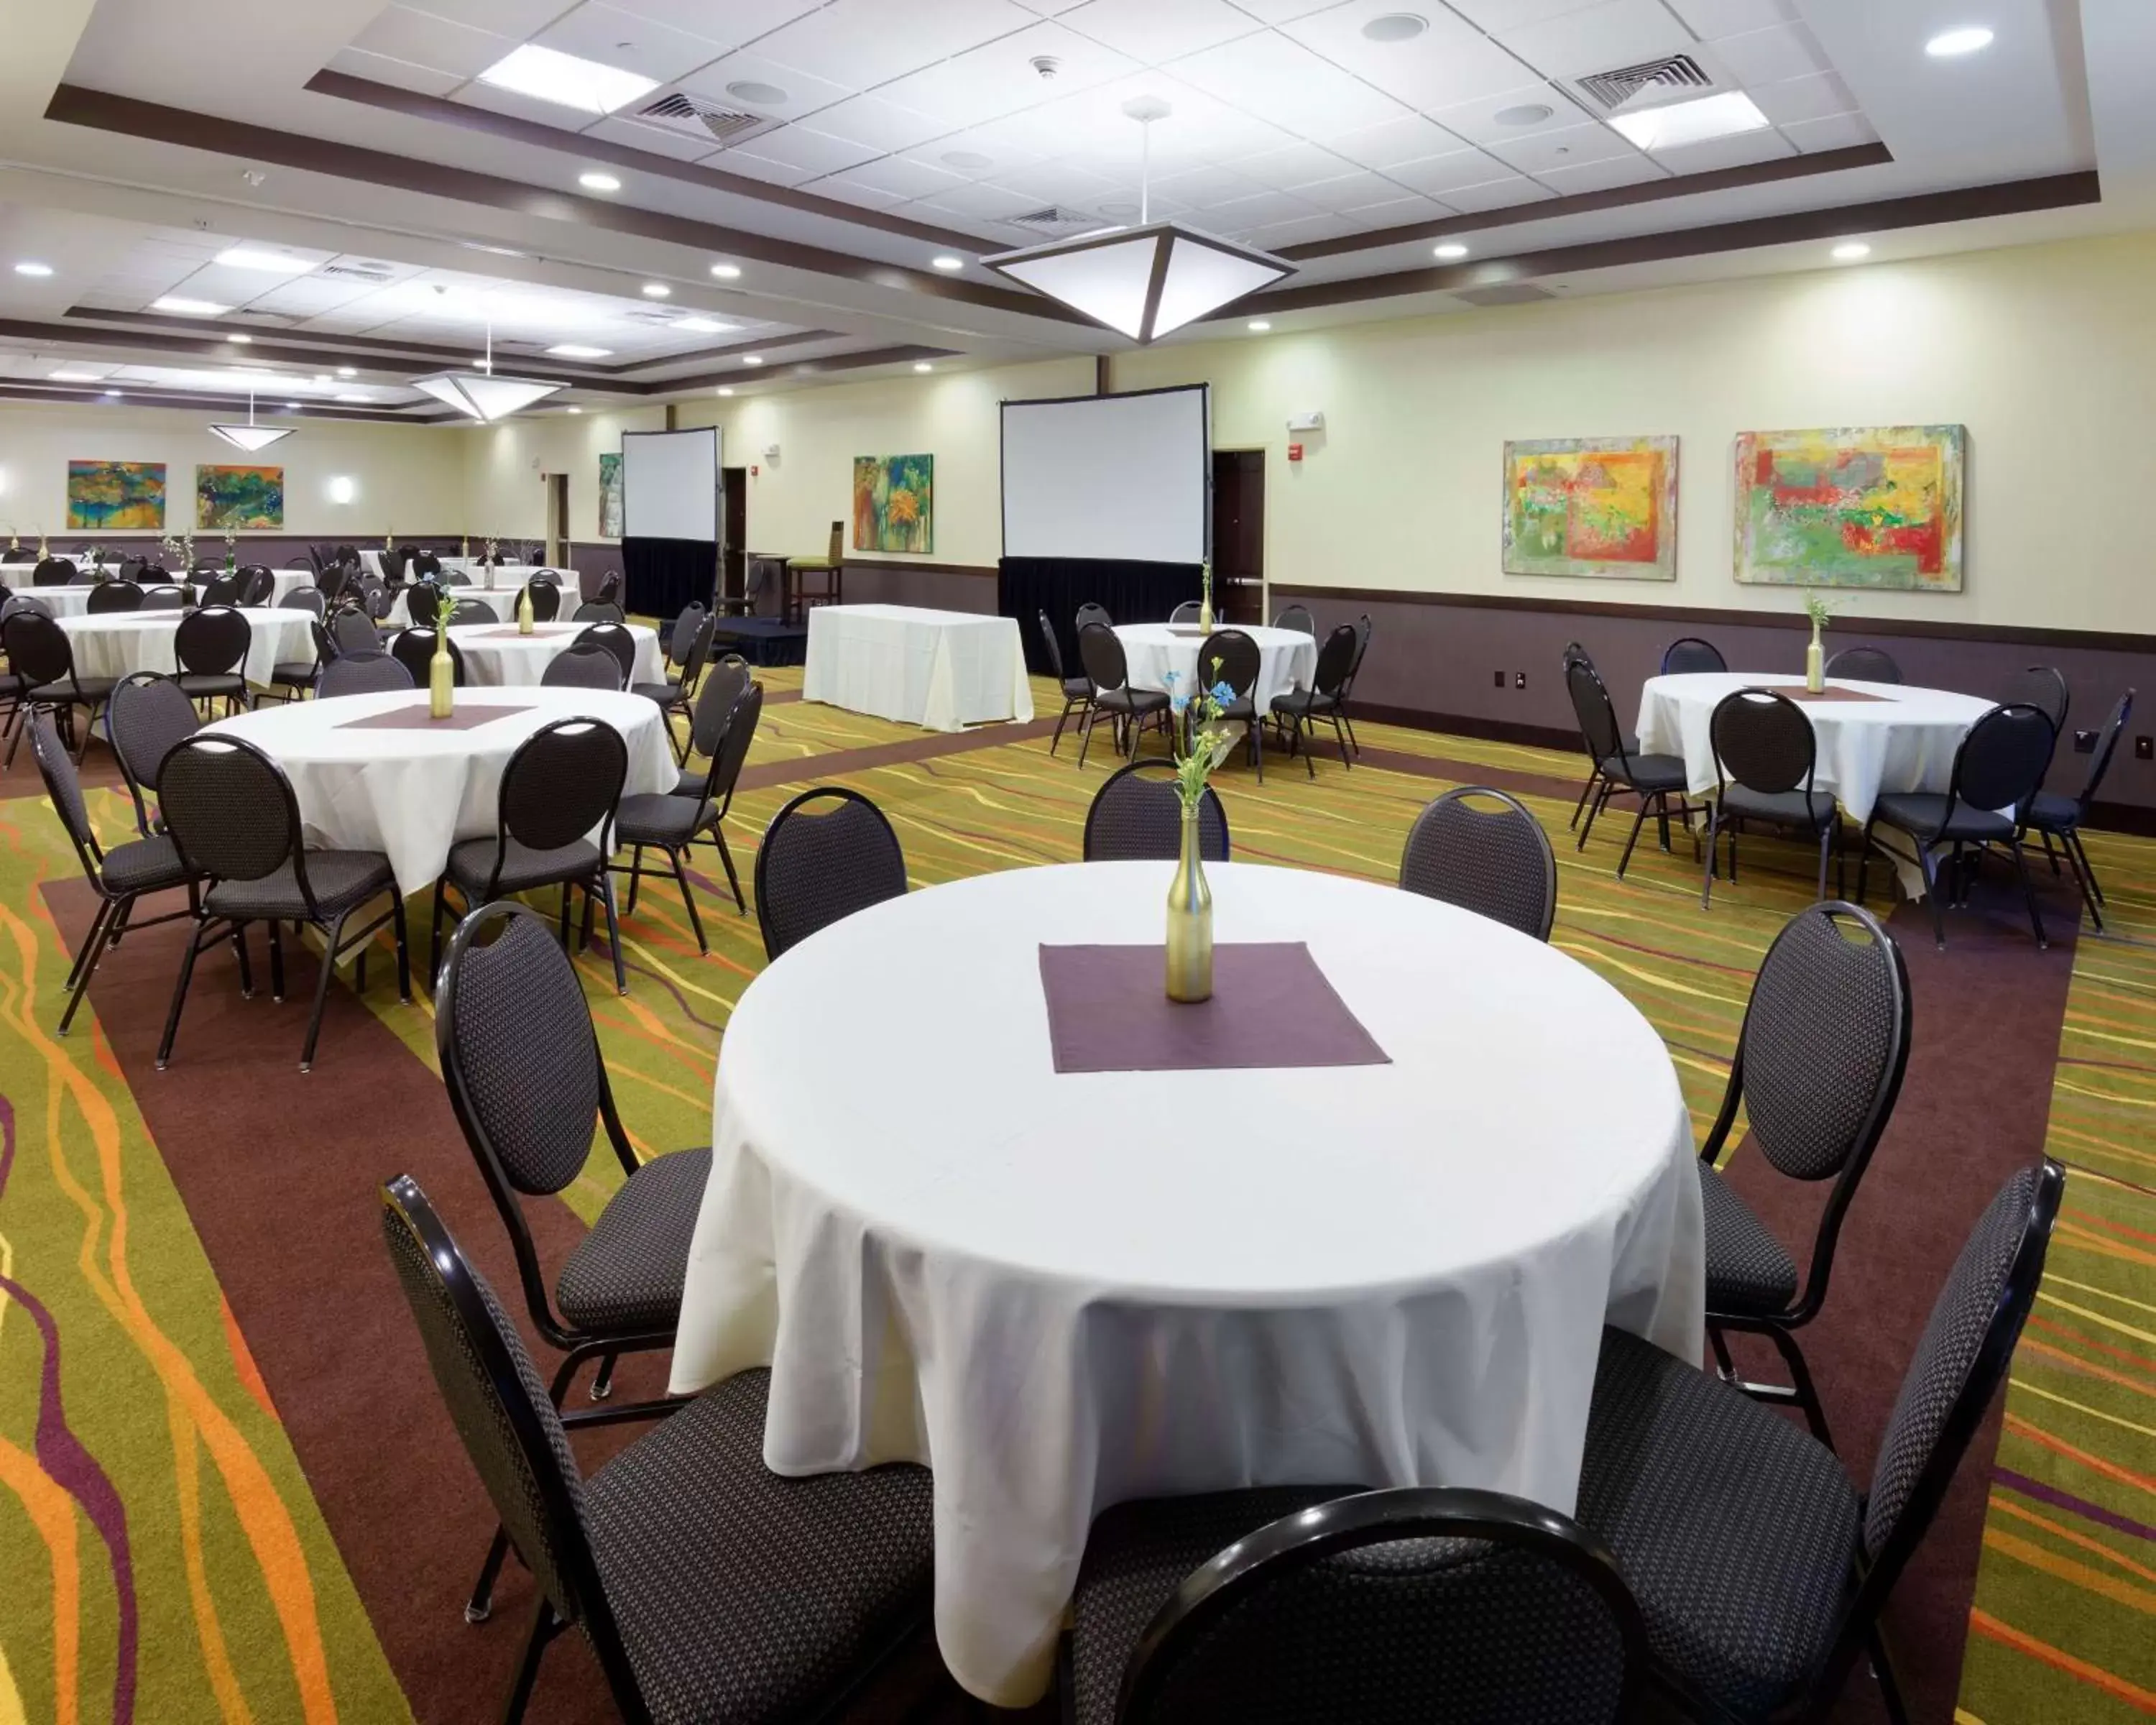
(408, 479)
(505, 465)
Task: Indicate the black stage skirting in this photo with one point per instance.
(660, 576)
(1132, 592)
(761, 640)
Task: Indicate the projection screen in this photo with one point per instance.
(670, 485)
(1116, 477)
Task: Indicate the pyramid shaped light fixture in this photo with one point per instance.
(251, 437)
(481, 394)
(1147, 280)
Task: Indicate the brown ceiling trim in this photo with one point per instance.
(140, 395)
(584, 146)
(812, 367)
(1967, 204)
(1582, 203)
(72, 105)
(423, 353)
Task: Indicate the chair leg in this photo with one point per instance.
(635, 879)
(1926, 861)
(603, 1383)
(1086, 732)
(1801, 1379)
(2051, 855)
(1601, 802)
(1594, 777)
(86, 960)
(2081, 880)
(689, 899)
(1864, 856)
(544, 1629)
(726, 857)
(1890, 1694)
(2089, 868)
(180, 993)
(1340, 736)
(1706, 873)
(613, 931)
(2028, 892)
(336, 932)
(403, 945)
(434, 933)
(246, 969)
(1639, 820)
(276, 962)
(1824, 837)
(83, 951)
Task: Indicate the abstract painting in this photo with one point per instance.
(610, 496)
(240, 497)
(1875, 507)
(894, 503)
(1586, 505)
(116, 494)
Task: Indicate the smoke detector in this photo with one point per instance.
(1046, 64)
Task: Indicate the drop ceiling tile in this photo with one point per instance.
(814, 152)
(805, 95)
(1476, 122)
(1739, 152)
(1061, 183)
(740, 161)
(1496, 15)
(1397, 213)
(658, 140)
(1437, 176)
(1616, 33)
(1495, 194)
(514, 18)
(1267, 75)
(1814, 98)
(521, 106)
(1632, 169)
(1567, 146)
(998, 78)
(1301, 231)
(1281, 12)
(419, 39)
(871, 120)
(1449, 62)
(1245, 214)
(1354, 191)
(1764, 56)
(1051, 8)
(902, 178)
(613, 37)
(864, 43)
(979, 202)
(1713, 19)
(977, 161)
(847, 190)
(1409, 138)
(1154, 32)
(382, 69)
(1841, 132)
(1207, 186)
(729, 22)
(1298, 165)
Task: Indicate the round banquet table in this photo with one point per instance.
(1286, 657)
(1062, 1291)
(495, 653)
(118, 644)
(413, 789)
(499, 600)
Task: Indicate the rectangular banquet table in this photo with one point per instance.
(942, 670)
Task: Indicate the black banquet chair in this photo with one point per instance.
(1089, 612)
(1761, 1574)
(1229, 656)
(1188, 611)
(1108, 674)
(1620, 769)
(2051, 814)
(616, 639)
(1136, 816)
(1495, 862)
(1077, 691)
(1766, 754)
(545, 597)
(807, 1585)
(561, 784)
(211, 645)
(1326, 698)
(585, 667)
(1818, 1069)
(598, 611)
(1863, 665)
(353, 630)
(1296, 617)
(414, 648)
(672, 822)
(1689, 653)
(361, 674)
(817, 865)
(115, 596)
(2000, 764)
(149, 716)
(2044, 687)
(232, 813)
(1415, 1606)
(39, 653)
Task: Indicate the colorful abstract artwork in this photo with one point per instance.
(240, 497)
(116, 494)
(1877, 507)
(610, 496)
(1584, 506)
(894, 503)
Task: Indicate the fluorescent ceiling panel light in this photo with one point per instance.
(598, 182)
(1143, 282)
(1679, 123)
(347, 371)
(1948, 43)
(567, 79)
(576, 350)
(241, 340)
(29, 268)
(702, 326)
(923, 365)
(1451, 252)
(112, 395)
(751, 359)
(657, 290)
(727, 272)
(575, 410)
(1850, 250)
(947, 262)
(1257, 326)
(356, 398)
(189, 308)
(265, 263)
(483, 396)
(724, 390)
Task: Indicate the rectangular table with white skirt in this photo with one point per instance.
(942, 670)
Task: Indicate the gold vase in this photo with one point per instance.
(1190, 920)
(1814, 664)
(441, 677)
(524, 618)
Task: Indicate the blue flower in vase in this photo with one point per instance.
(1223, 693)
(1178, 704)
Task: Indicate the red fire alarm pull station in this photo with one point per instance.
(1294, 452)
(754, 469)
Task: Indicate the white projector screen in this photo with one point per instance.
(670, 485)
(1121, 477)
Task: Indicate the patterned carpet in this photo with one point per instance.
(167, 1557)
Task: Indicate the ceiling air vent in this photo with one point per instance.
(1055, 219)
(1505, 293)
(1668, 76)
(364, 270)
(700, 118)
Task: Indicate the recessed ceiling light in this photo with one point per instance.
(598, 182)
(701, 326)
(356, 398)
(657, 290)
(322, 381)
(1257, 326)
(28, 268)
(576, 350)
(265, 263)
(727, 272)
(1451, 252)
(751, 359)
(113, 394)
(75, 376)
(923, 365)
(947, 262)
(241, 340)
(291, 406)
(189, 308)
(576, 410)
(973, 161)
(1718, 116)
(1526, 114)
(1395, 26)
(1948, 43)
(1850, 250)
(762, 95)
(499, 251)
(573, 82)
(724, 390)
(347, 371)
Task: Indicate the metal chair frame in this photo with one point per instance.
(1718, 821)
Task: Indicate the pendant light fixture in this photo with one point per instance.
(481, 393)
(251, 437)
(1143, 281)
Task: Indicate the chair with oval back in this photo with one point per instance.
(598, 611)
(164, 597)
(1136, 816)
(815, 867)
(115, 596)
(423, 603)
(1765, 756)
(545, 597)
(39, 652)
(150, 715)
(353, 630)
(1689, 655)
(1077, 691)
(672, 823)
(1495, 862)
(583, 665)
(1108, 673)
(1619, 769)
(211, 645)
(2052, 815)
(616, 639)
(220, 589)
(1299, 709)
(2044, 687)
(1298, 618)
(1229, 656)
(1188, 611)
(257, 584)
(1863, 665)
(371, 672)
(414, 650)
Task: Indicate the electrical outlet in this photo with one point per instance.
(1499, 678)
(2085, 742)
(2144, 748)
(1519, 679)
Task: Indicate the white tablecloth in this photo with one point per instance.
(117, 644)
(942, 670)
(1287, 657)
(493, 654)
(74, 601)
(499, 600)
(412, 794)
(1062, 1292)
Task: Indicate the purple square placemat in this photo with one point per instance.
(1108, 1011)
(468, 716)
